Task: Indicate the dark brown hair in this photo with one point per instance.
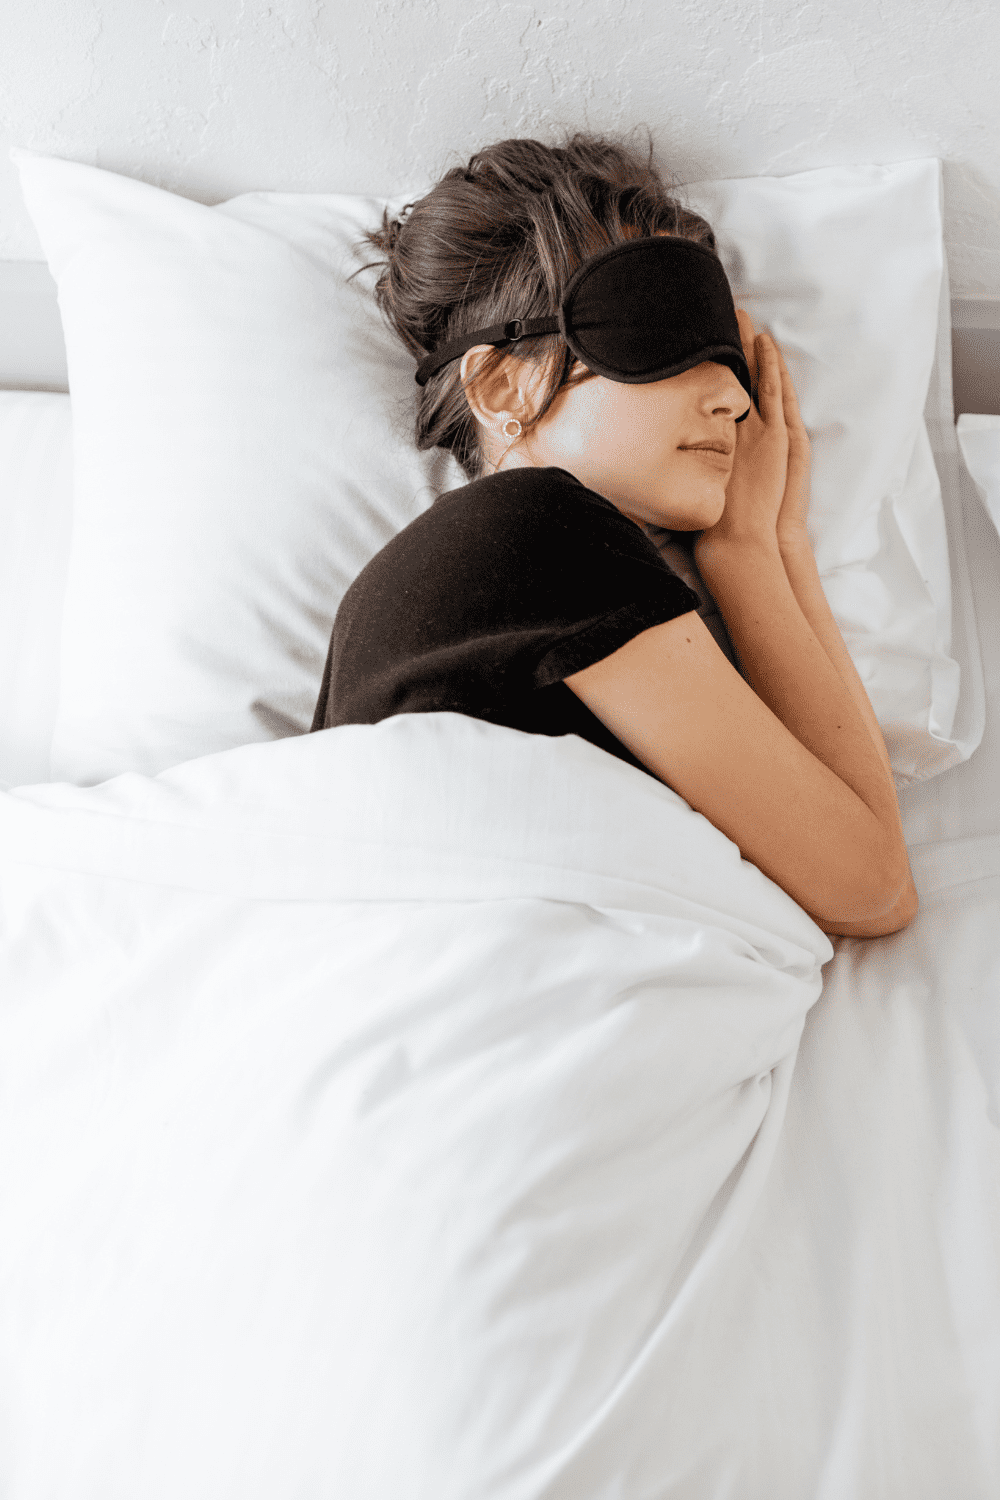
(499, 239)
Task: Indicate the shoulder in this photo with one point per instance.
(526, 559)
(517, 533)
(531, 504)
(526, 488)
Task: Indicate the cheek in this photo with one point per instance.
(626, 426)
(661, 432)
(608, 422)
(586, 420)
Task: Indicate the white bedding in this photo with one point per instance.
(414, 1110)
(437, 1111)
(357, 1084)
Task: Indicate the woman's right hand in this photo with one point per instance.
(759, 474)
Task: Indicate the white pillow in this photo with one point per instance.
(846, 267)
(243, 421)
(242, 448)
(36, 492)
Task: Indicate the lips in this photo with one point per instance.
(712, 453)
(722, 448)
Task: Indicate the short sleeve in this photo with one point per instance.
(598, 638)
(606, 581)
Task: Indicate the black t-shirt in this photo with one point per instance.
(485, 602)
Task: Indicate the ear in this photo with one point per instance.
(505, 393)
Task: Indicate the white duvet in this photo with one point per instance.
(377, 1106)
(402, 1113)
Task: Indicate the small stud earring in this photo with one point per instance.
(511, 435)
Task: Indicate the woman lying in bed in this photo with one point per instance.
(581, 355)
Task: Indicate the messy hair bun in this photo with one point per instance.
(500, 238)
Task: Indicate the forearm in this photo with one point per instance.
(803, 576)
(787, 664)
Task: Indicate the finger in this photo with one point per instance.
(793, 415)
(769, 386)
(786, 374)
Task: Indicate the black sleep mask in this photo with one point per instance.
(639, 311)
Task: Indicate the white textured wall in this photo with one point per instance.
(224, 96)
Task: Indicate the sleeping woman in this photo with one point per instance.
(581, 356)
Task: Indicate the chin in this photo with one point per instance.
(712, 510)
(705, 518)
(694, 512)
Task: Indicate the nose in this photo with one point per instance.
(727, 395)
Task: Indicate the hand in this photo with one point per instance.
(790, 526)
(757, 484)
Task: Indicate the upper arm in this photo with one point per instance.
(673, 699)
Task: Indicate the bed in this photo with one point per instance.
(428, 1108)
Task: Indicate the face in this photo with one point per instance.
(635, 444)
